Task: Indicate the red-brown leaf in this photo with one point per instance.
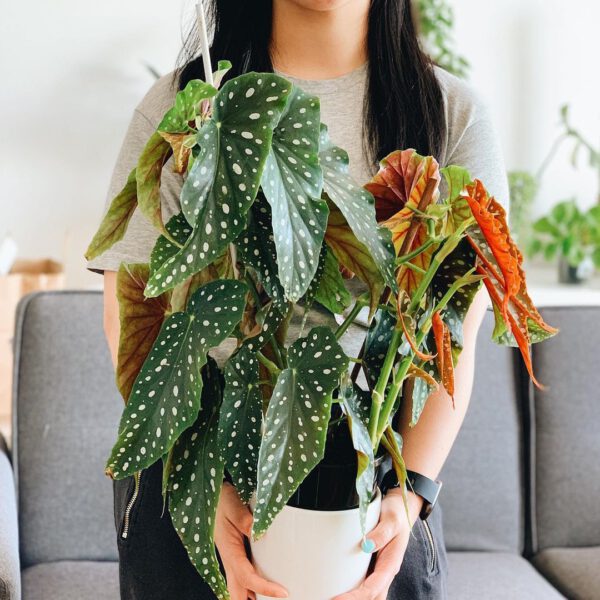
(444, 361)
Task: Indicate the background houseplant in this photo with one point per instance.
(566, 231)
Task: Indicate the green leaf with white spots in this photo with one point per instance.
(195, 484)
(358, 207)
(296, 421)
(165, 397)
(308, 298)
(377, 342)
(179, 230)
(365, 476)
(456, 265)
(224, 179)
(257, 249)
(421, 392)
(332, 292)
(241, 421)
(116, 220)
(148, 177)
(187, 107)
(292, 183)
(269, 318)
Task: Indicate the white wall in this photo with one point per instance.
(73, 71)
(529, 57)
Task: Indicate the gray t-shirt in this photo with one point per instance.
(470, 141)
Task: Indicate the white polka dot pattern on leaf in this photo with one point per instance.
(296, 421)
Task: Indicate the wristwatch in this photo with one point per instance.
(427, 488)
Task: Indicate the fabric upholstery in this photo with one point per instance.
(72, 580)
(495, 576)
(482, 490)
(67, 411)
(10, 584)
(567, 440)
(574, 571)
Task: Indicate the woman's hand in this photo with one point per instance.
(389, 539)
(233, 523)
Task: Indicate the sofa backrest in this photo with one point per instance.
(66, 413)
(482, 497)
(567, 440)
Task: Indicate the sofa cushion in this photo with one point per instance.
(567, 416)
(574, 571)
(72, 580)
(495, 576)
(482, 494)
(67, 413)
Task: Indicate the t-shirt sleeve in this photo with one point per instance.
(473, 141)
(141, 235)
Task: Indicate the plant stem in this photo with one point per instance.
(358, 305)
(208, 74)
(382, 381)
(268, 364)
(408, 257)
(382, 406)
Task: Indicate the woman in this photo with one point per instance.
(378, 93)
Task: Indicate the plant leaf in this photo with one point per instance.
(115, 221)
(331, 291)
(140, 322)
(500, 261)
(241, 421)
(181, 149)
(195, 484)
(377, 341)
(457, 178)
(353, 254)
(404, 187)
(148, 176)
(292, 182)
(187, 107)
(357, 206)
(445, 365)
(165, 397)
(257, 248)
(296, 421)
(224, 179)
(269, 318)
(365, 476)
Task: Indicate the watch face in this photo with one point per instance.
(426, 510)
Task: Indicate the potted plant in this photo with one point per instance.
(271, 218)
(565, 232)
(571, 234)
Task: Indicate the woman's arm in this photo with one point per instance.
(112, 325)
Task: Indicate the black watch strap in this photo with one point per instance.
(421, 485)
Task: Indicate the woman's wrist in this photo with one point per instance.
(414, 501)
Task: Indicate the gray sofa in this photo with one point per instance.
(520, 496)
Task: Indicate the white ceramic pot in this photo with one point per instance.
(315, 554)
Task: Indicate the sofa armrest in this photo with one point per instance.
(10, 576)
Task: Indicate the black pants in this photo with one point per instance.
(153, 564)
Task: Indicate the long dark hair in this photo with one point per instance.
(404, 104)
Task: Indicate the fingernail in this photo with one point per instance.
(368, 546)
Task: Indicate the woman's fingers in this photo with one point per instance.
(387, 565)
(251, 580)
(382, 534)
(236, 511)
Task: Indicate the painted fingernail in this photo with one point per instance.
(368, 546)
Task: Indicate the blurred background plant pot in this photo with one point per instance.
(315, 554)
(567, 273)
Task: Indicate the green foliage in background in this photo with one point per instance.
(436, 20)
(569, 232)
